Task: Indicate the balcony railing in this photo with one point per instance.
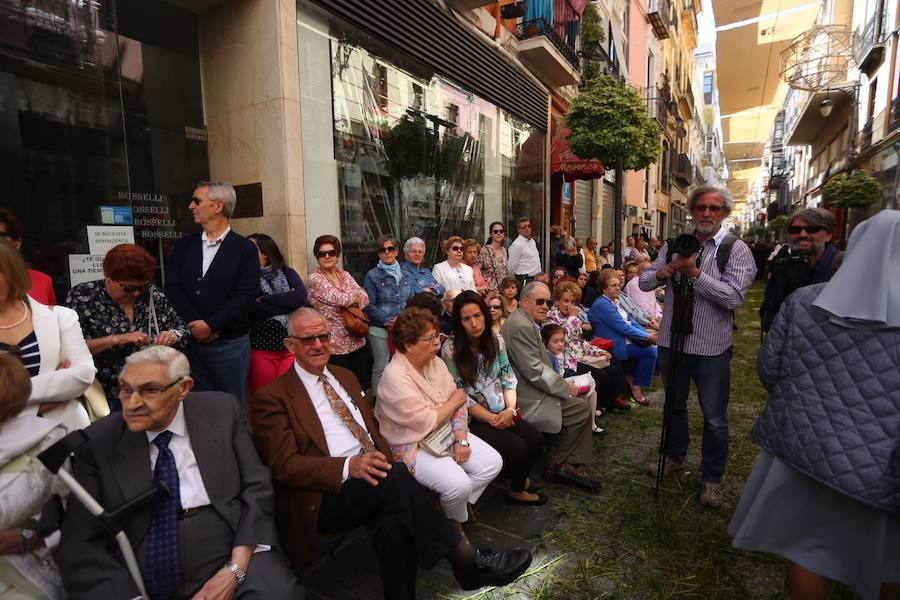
(870, 52)
(657, 105)
(540, 27)
(682, 170)
(698, 177)
(894, 115)
(866, 139)
(658, 13)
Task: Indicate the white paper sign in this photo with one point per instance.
(85, 267)
(103, 238)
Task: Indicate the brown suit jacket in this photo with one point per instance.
(291, 442)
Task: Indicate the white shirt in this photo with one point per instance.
(190, 485)
(523, 257)
(460, 278)
(190, 482)
(338, 437)
(211, 248)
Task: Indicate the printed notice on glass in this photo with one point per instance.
(103, 238)
(85, 267)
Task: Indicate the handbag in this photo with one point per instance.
(95, 402)
(596, 362)
(439, 442)
(603, 343)
(355, 320)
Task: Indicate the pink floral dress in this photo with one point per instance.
(329, 300)
(576, 346)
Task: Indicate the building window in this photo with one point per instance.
(708, 87)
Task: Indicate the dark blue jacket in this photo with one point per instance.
(272, 305)
(608, 323)
(421, 278)
(225, 296)
(387, 297)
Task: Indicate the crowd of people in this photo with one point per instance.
(277, 411)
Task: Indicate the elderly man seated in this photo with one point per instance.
(548, 401)
(315, 429)
(213, 537)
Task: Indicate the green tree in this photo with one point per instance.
(856, 190)
(592, 37)
(777, 225)
(609, 122)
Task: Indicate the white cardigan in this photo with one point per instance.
(453, 280)
(59, 339)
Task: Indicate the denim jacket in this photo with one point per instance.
(421, 278)
(386, 297)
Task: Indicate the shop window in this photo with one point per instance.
(406, 171)
(101, 124)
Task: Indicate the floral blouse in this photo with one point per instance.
(329, 301)
(101, 316)
(489, 387)
(493, 267)
(576, 345)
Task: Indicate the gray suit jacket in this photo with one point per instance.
(114, 466)
(540, 388)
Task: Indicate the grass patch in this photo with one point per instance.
(624, 543)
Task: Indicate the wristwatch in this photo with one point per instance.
(464, 443)
(25, 534)
(238, 572)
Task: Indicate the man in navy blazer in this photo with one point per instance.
(213, 280)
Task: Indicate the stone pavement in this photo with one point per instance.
(352, 570)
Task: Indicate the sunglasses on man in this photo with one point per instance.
(795, 229)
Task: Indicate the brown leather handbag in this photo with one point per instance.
(355, 320)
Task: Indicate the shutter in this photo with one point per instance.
(608, 215)
(431, 35)
(584, 200)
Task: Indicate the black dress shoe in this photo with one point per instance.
(569, 477)
(493, 568)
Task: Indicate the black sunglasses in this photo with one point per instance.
(130, 289)
(326, 253)
(498, 231)
(456, 248)
(309, 340)
(795, 229)
(496, 307)
(387, 249)
(543, 301)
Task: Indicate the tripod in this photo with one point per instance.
(682, 326)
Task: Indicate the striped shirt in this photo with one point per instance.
(28, 353)
(716, 296)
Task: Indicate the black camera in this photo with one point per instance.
(686, 244)
(794, 268)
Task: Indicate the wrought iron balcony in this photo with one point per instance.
(657, 105)
(894, 115)
(866, 139)
(658, 13)
(870, 51)
(682, 170)
(540, 27)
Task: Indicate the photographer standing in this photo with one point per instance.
(809, 257)
(717, 292)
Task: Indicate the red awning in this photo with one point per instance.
(563, 160)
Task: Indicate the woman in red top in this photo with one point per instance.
(41, 285)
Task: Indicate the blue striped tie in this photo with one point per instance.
(163, 552)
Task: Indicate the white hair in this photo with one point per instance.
(413, 241)
(722, 192)
(219, 190)
(177, 363)
(528, 290)
(305, 312)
